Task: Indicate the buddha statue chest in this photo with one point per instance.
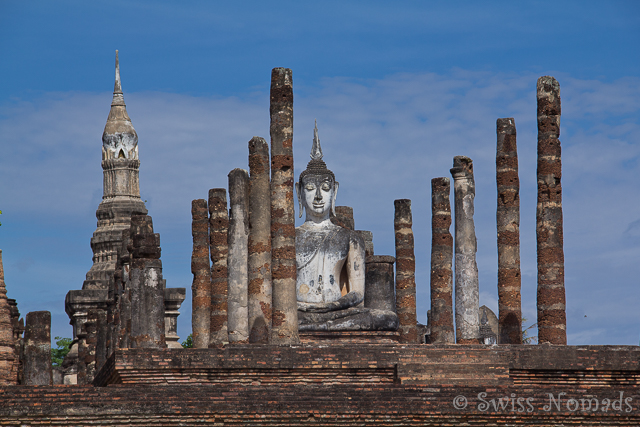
(321, 254)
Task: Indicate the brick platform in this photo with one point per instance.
(346, 385)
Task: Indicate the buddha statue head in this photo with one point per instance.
(317, 187)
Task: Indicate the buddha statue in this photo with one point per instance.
(330, 260)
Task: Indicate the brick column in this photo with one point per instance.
(7, 343)
(37, 349)
(441, 318)
(508, 223)
(283, 233)
(344, 217)
(219, 250)
(467, 288)
(405, 272)
(201, 287)
(147, 285)
(259, 242)
(552, 320)
(237, 263)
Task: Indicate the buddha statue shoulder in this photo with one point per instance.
(330, 259)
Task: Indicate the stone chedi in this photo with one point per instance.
(330, 260)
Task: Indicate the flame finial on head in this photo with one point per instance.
(316, 150)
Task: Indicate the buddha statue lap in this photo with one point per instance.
(330, 260)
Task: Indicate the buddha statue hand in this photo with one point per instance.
(349, 300)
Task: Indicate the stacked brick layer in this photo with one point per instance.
(283, 231)
(508, 225)
(219, 252)
(405, 272)
(441, 319)
(201, 287)
(370, 384)
(552, 318)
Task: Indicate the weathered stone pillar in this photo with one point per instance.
(552, 319)
(259, 242)
(100, 317)
(37, 349)
(344, 217)
(219, 250)
(441, 318)
(283, 231)
(147, 285)
(379, 292)
(122, 279)
(237, 264)
(173, 298)
(405, 272)
(508, 222)
(7, 343)
(467, 287)
(201, 287)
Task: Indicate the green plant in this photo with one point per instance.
(188, 342)
(526, 339)
(58, 354)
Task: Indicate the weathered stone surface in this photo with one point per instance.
(8, 354)
(283, 260)
(405, 272)
(173, 298)
(219, 251)
(121, 189)
(37, 349)
(552, 322)
(508, 224)
(441, 318)
(466, 283)
(379, 291)
(344, 217)
(147, 285)
(201, 287)
(120, 200)
(260, 290)
(237, 263)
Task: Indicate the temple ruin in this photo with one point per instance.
(309, 325)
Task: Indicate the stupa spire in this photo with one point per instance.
(119, 140)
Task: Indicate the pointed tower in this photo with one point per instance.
(121, 189)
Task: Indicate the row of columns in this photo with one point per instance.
(551, 293)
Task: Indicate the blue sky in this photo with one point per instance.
(398, 89)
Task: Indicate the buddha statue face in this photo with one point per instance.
(317, 187)
(317, 194)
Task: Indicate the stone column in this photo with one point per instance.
(259, 242)
(237, 263)
(552, 319)
(467, 287)
(508, 222)
(173, 298)
(405, 272)
(441, 317)
(147, 285)
(7, 343)
(219, 250)
(379, 292)
(37, 349)
(100, 338)
(344, 217)
(122, 278)
(201, 287)
(283, 230)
